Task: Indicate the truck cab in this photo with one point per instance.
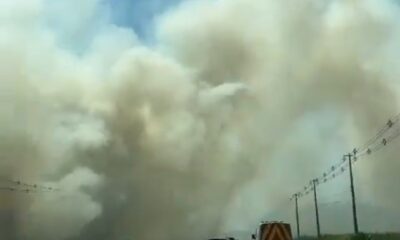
(273, 231)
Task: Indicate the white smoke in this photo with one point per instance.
(207, 132)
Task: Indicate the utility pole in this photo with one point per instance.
(296, 197)
(353, 197)
(315, 182)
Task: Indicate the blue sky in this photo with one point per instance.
(139, 14)
(75, 30)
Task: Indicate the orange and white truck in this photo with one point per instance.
(273, 231)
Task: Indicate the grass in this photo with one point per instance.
(362, 236)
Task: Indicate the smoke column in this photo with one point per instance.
(202, 134)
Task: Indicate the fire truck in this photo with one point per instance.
(273, 231)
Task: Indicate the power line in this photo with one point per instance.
(25, 190)
(18, 185)
(333, 173)
(330, 203)
(381, 139)
(384, 136)
(389, 124)
(374, 144)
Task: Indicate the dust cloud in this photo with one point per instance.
(204, 133)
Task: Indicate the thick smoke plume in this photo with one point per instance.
(205, 133)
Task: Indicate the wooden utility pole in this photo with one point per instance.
(353, 197)
(315, 182)
(296, 196)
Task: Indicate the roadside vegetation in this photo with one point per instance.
(362, 236)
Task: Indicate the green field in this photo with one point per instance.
(384, 236)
